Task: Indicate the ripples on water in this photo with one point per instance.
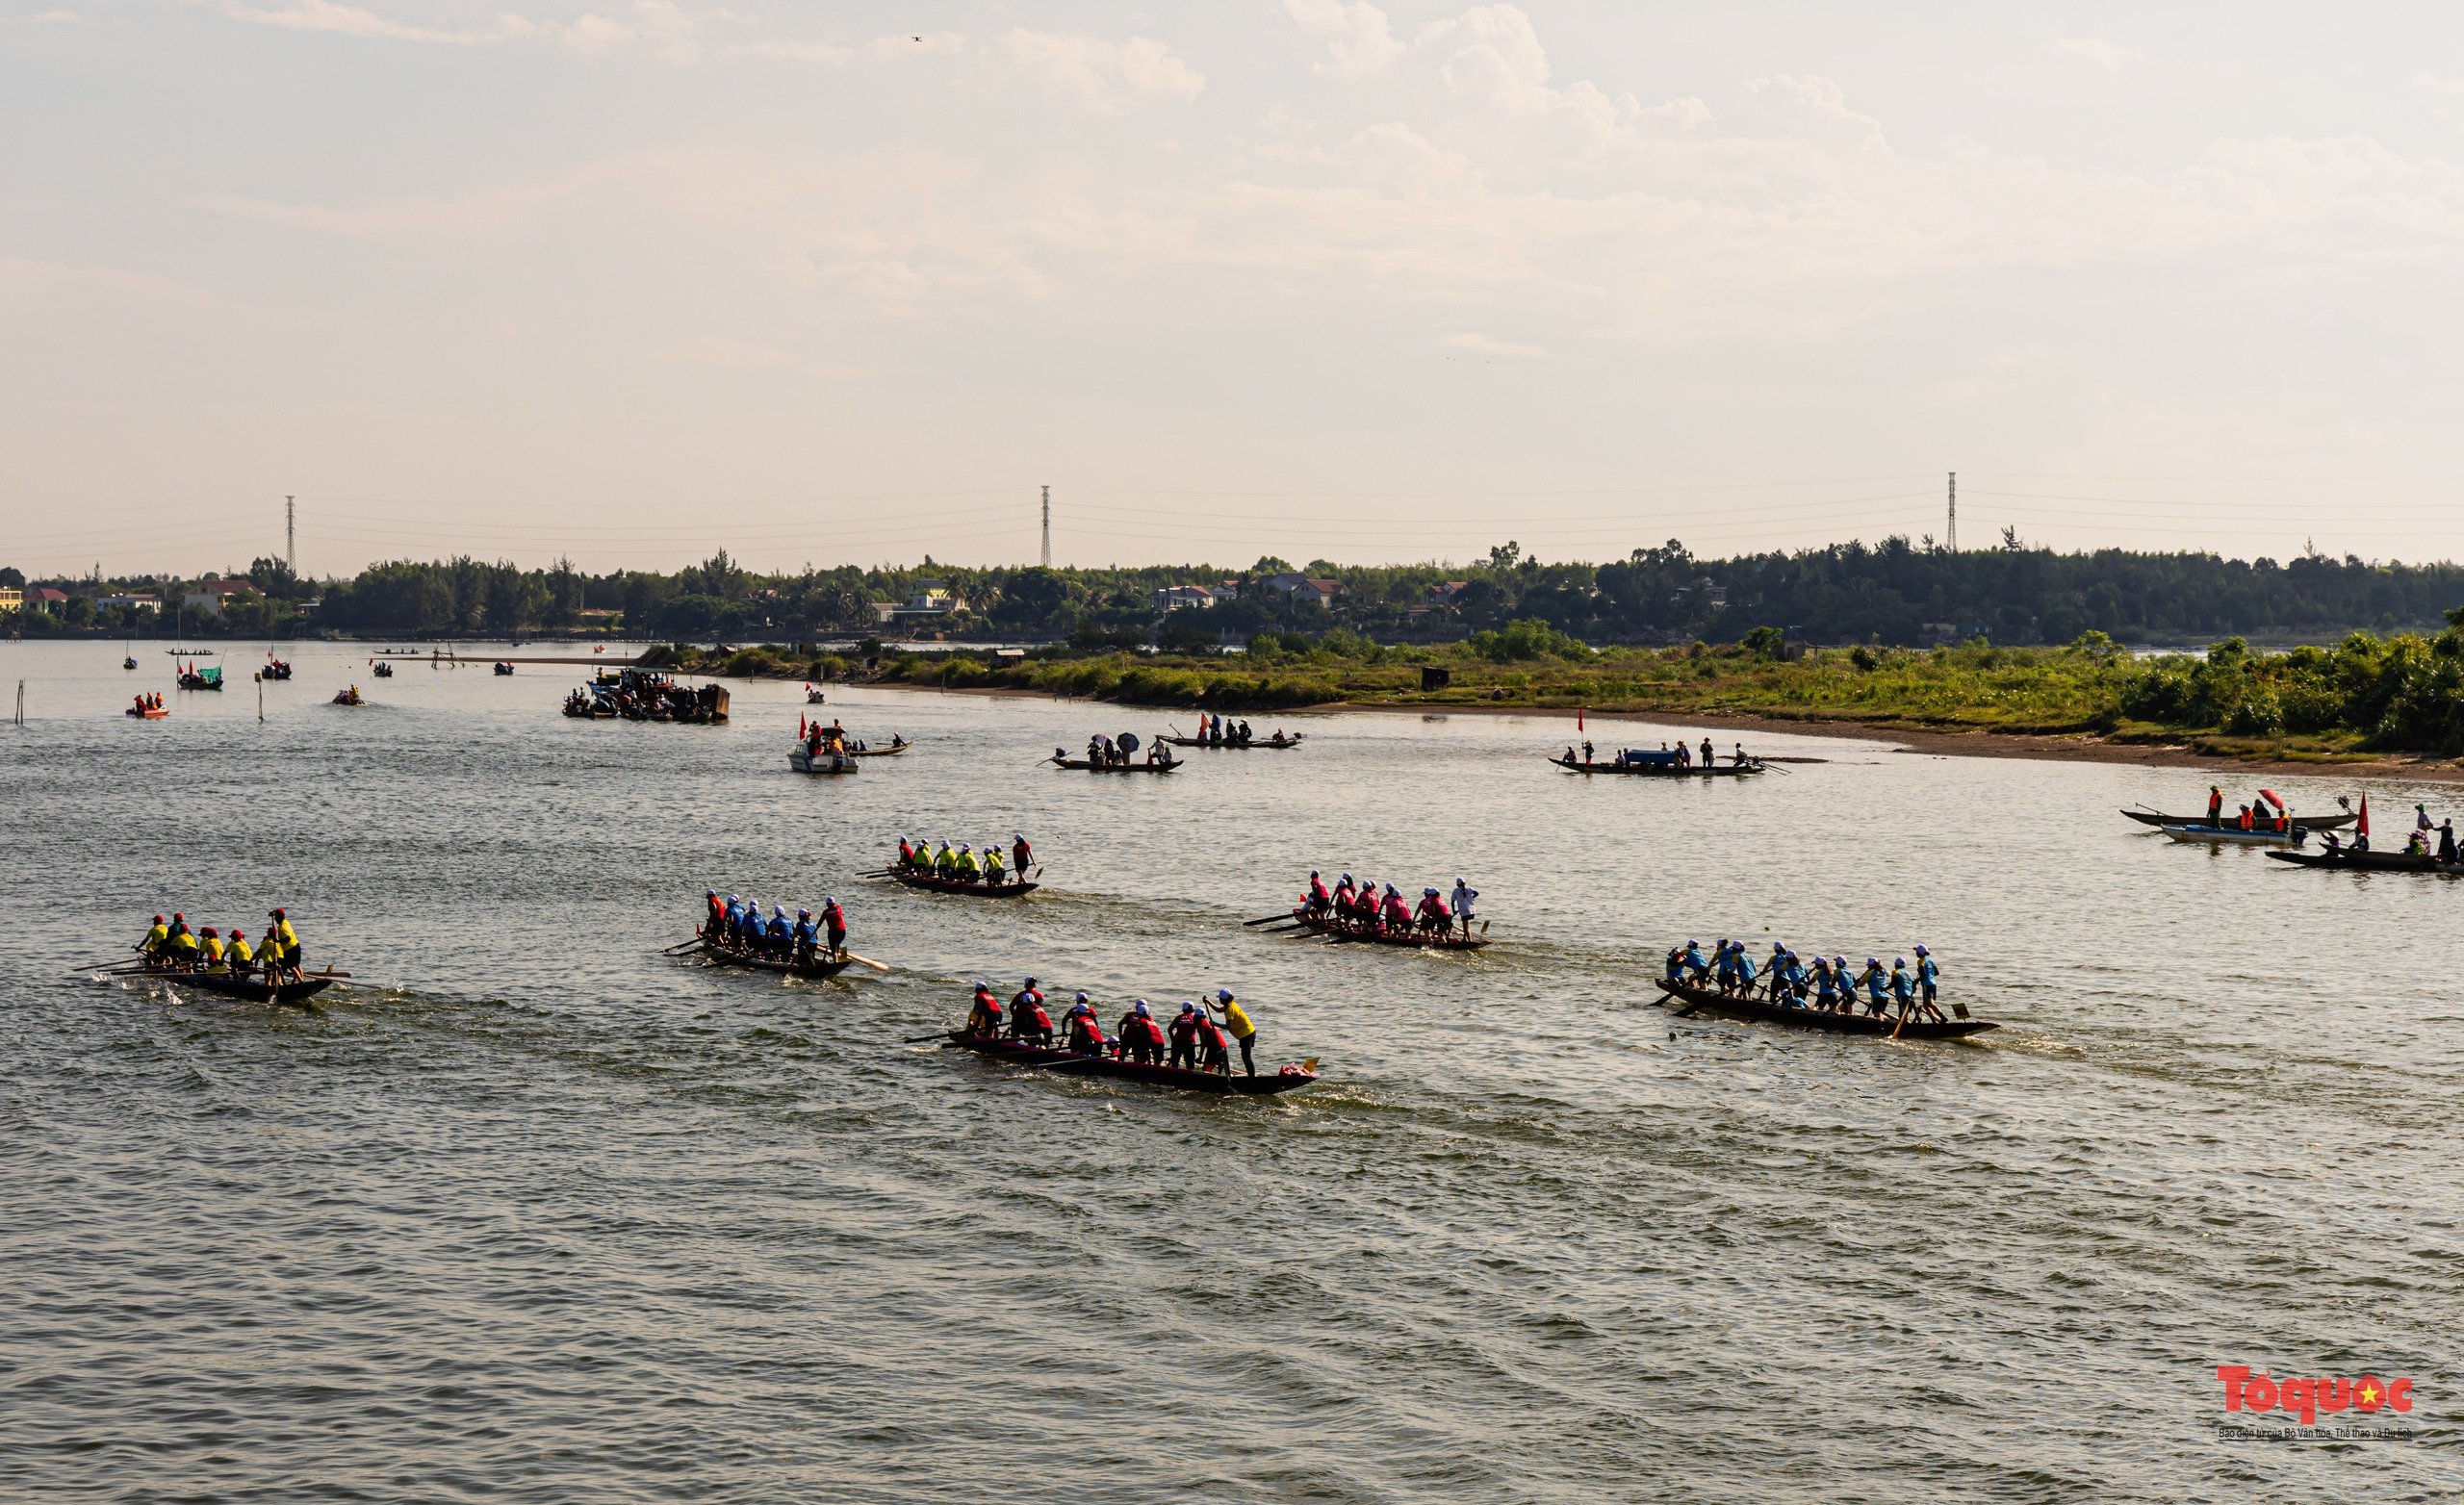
(538, 1216)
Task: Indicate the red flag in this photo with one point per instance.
(1578, 718)
(2363, 827)
(800, 723)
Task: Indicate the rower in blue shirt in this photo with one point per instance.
(1826, 987)
(778, 931)
(1744, 969)
(805, 934)
(1724, 963)
(1875, 982)
(1902, 987)
(1698, 970)
(1927, 974)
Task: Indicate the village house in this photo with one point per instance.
(211, 596)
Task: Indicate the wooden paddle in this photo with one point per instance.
(1270, 919)
(878, 966)
(918, 1039)
(681, 949)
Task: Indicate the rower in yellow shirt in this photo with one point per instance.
(182, 949)
(1236, 1019)
(282, 943)
(157, 940)
(210, 951)
(237, 955)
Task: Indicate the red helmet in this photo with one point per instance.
(277, 914)
(209, 930)
(177, 916)
(238, 934)
(158, 919)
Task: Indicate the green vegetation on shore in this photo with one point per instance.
(2365, 696)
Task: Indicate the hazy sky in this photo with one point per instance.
(630, 279)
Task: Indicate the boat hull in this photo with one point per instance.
(1764, 1011)
(1251, 746)
(954, 886)
(1068, 1064)
(1083, 765)
(1418, 940)
(816, 971)
(1661, 770)
(2371, 862)
(2314, 821)
(804, 761)
(245, 988)
(2234, 836)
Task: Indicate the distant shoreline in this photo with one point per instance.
(1920, 740)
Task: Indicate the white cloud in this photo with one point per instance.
(2112, 57)
(1106, 76)
(57, 17)
(1358, 35)
(345, 20)
(1487, 344)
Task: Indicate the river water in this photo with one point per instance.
(533, 1213)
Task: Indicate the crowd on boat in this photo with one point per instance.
(1195, 1039)
(1677, 756)
(917, 857)
(171, 945)
(1357, 905)
(148, 704)
(2425, 840)
(739, 925)
(641, 694)
(276, 668)
(1106, 751)
(349, 697)
(1213, 731)
(818, 739)
(1828, 984)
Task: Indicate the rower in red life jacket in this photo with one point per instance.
(1141, 1038)
(1341, 899)
(833, 923)
(1027, 1019)
(1184, 1032)
(2246, 817)
(714, 921)
(1396, 914)
(906, 853)
(2215, 805)
(1086, 1035)
(1213, 1054)
(984, 1017)
(1430, 913)
(1021, 855)
(1319, 900)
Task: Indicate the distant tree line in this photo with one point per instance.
(1895, 593)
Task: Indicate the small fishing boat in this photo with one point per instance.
(276, 668)
(812, 696)
(129, 662)
(147, 712)
(897, 745)
(349, 697)
(1060, 759)
(2370, 861)
(804, 760)
(1657, 770)
(2314, 821)
(504, 669)
(1043, 1058)
(1278, 742)
(1762, 1009)
(200, 679)
(2236, 836)
(382, 669)
(249, 988)
(818, 967)
(960, 885)
(1426, 941)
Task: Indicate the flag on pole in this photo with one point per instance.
(1578, 718)
(2363, 827)
(800, 723)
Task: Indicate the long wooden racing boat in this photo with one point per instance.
(1058, 760)
(1664, 770)
(817, 968)
(247, 988)
(1069, 1063)
(1736, 1006)
(2314, 821)
(2370, 861)
(1426, 941)
(1254, 744)
(960, 885)
(892, 751)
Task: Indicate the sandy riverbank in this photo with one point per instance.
(1939, 742)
